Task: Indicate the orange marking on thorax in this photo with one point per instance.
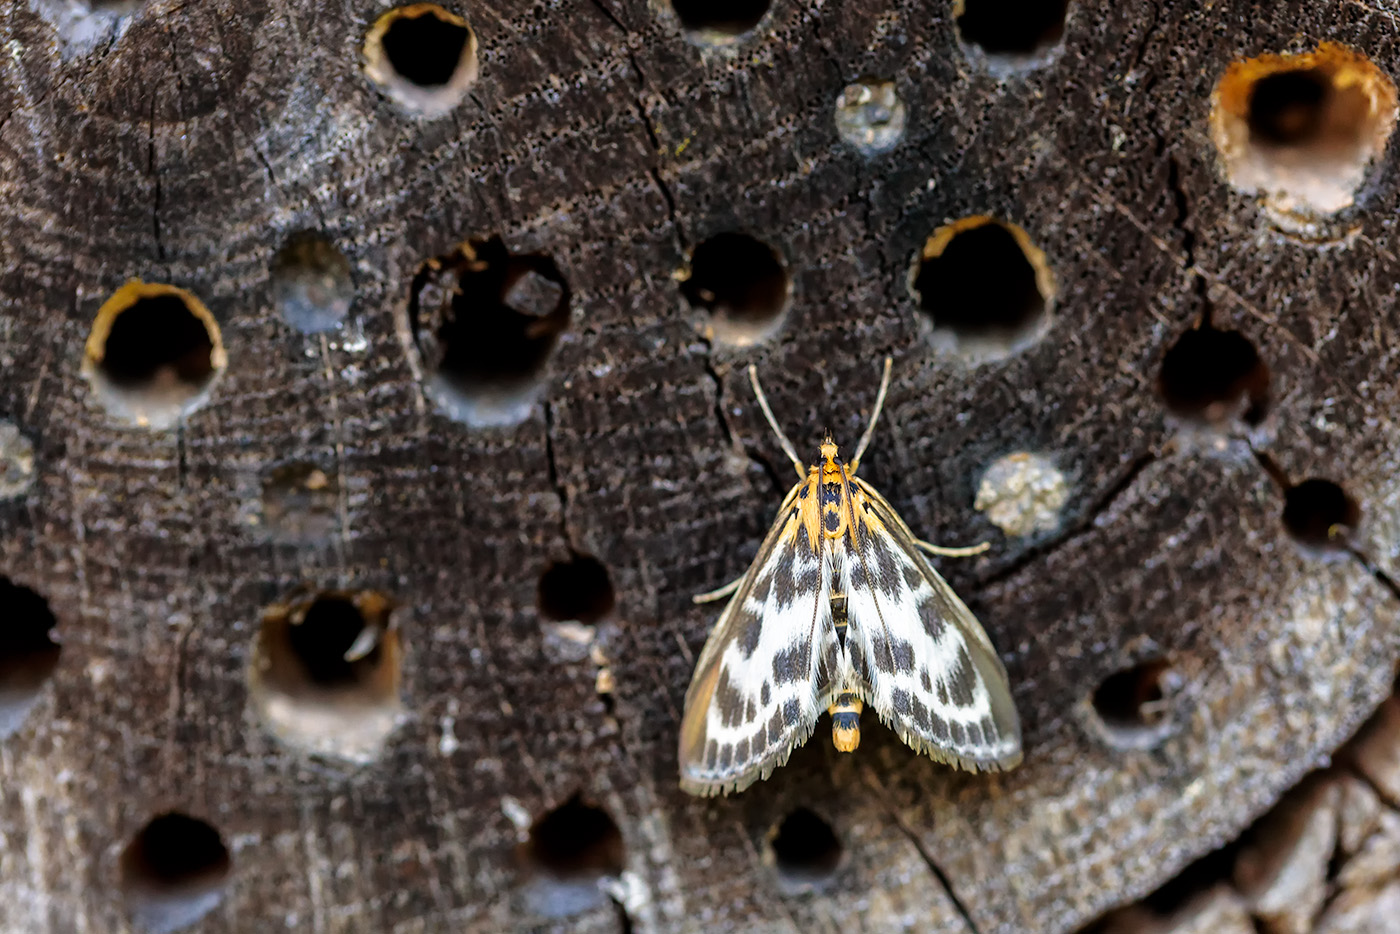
(827, 513)
(833, 474)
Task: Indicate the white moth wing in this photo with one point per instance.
(919, 655)
(766, 672)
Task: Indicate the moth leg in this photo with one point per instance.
(719, 594)
(966, 552)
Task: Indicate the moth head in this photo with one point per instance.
(828, 449)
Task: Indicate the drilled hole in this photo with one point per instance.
(311, 283)
(28, 652)
(325, 673)
(741, 284)
(174, 872)
(1213, 376)
(485, 322)
(577, 839)
(1011, 29)
(1301, 130)
(1133, 705)
(870, 116)
(1319, 514)
(1287, 108)
(301, 504)
(985, 288)
(154, 354)
(578, 589)
(422, 57)
(719, 22)
(569, 850)
(805, 849)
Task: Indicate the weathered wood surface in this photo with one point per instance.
(187, 144)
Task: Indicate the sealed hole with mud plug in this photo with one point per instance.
(569, 851)
(301, 504)
(325, 673)
(577, 590)
(804, 850)
(1133, 706)
(1213, 377)
(153, 355)
(984, 287)
(719, 22)
(173, 873)
(422, 57)
(1022, 493)
(740, 283)
(1319, 515)
(1011, 32)
(871, 116)
(28, 652)
(16, 461)
(1301, 130)
(485, 322)
(311, 283)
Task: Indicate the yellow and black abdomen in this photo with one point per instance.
(845, 721)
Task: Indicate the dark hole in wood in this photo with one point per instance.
(27, 631)
(1012, 27)
(1155, 910)
(1288, 107)
(311, 283)
(741, 282)
(174, 849)
(805, 848)
(981, 286)
(325, 673)
(1133, 699)
(1209, 375)
(158, 338)
(1319, 513)
(28, 653)
(425, 49)
(721, 17)
(486, 321)
(576, 840)
(327, 632)
(1197, 877)
(578, 589)
(173, 872)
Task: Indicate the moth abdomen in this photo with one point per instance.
(845, 722)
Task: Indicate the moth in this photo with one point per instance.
(840, 610)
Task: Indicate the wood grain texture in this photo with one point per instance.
(193, 139)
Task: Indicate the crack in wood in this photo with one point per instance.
(882, 797)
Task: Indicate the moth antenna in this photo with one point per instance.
(874, 415)
(773, 422)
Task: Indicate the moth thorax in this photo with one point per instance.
(845, 722)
